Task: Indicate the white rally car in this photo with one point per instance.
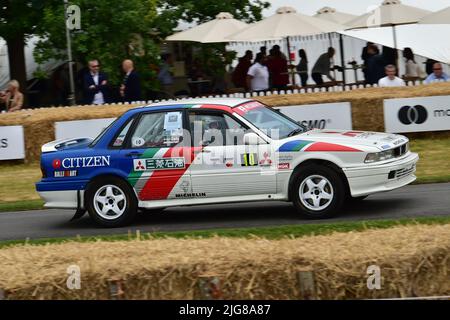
(208, 151)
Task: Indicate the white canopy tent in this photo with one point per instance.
(214, 31)
(425, 40)
(31, 65)
(391, 13)
(439, 17)
(332, 15)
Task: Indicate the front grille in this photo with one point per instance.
(402, 150)
(399, 174)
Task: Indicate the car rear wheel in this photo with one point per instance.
(318, 192)
(111, 202)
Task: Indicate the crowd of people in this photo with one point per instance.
(271, 72)
(253, 73)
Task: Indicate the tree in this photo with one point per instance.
(18, 21)
(111, 31)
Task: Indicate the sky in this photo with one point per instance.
(356, 7)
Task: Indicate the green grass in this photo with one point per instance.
(25, 205)
(293, 231)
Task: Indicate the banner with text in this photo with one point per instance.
(81, 128)
(12, 143)
(417, 114)
(322, 116)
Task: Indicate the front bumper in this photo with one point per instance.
(371, 179)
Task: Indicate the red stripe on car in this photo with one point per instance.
(162, 182)
(323, 146)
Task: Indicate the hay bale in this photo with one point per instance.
(414, 261)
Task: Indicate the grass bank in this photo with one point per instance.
(272, 233)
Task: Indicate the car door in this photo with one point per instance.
(224, 166)
(155, 157)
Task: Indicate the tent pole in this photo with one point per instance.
(394, 33)
(289, 59)
(341, 45)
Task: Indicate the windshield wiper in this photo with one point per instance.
(295, 132)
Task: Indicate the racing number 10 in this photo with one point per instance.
(249, 160)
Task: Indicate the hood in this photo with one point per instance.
(382, 141)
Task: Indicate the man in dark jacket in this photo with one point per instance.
(375, 65)
(95, 85)
(130, 90)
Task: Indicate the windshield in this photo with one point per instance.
(273, 123)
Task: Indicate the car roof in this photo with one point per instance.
(228, 102)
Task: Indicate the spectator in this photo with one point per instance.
(412, 68)
(429, 66)
(391, 80)
(258, 74)
(95, 85)
(12, 97)
(375, 65)
(302, 67)
(130, 90)
(278, 69)
(438, 75)
(239, 76)
(390, 56)
(165, 76)
(263, 50)
(323, 67)
(365, 58)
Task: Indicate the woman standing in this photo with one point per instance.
(413, 70)
(12, 97)
(302, 67)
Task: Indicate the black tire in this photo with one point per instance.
(338, 191)
(129, 206)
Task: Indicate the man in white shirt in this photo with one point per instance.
(391, 80)
(258, 74)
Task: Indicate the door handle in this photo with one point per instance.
(206, 151)
(134, 154)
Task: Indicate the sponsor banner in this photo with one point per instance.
(81, 128)
(12, 143)
(322, 116)
(417, 114)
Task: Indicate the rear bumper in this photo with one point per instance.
(364, 181)
(68, 199)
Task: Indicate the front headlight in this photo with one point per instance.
(380, 156)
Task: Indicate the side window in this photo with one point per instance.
(121, 137)
(164, 129)
(211, 129)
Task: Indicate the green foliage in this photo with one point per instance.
(111, 32)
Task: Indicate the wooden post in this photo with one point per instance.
(210, 288)
(116, 291)
(2, 294)
(306, 285)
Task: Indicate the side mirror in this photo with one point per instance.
(252, 138)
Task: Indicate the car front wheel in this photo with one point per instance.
(111, 202)
(318, 192)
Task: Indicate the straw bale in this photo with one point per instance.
(414, 261)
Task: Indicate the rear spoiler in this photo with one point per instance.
(58, 144)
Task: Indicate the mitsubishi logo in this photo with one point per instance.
(139, 165)
(266, 161)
